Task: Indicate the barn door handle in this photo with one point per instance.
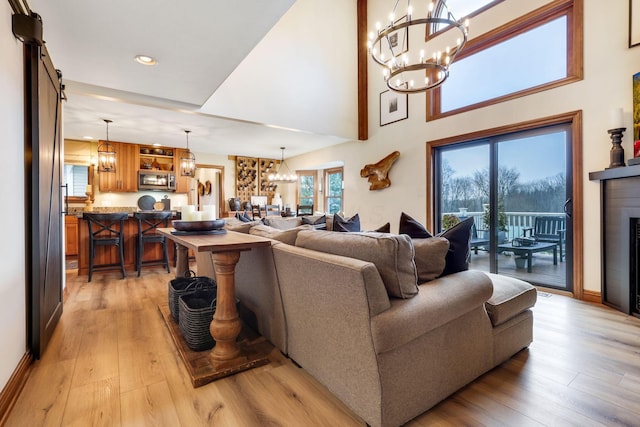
(66, 199)
(564, 208)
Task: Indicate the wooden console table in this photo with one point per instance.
(217, 256)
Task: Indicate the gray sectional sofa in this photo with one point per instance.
(387, 358)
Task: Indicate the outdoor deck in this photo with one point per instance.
(543, 272)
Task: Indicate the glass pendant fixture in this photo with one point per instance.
(188, 160)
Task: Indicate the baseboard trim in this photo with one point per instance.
(12, 389)
(592, 296)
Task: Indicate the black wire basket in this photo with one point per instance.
(185, 285)
(196, 313)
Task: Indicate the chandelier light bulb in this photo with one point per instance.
(411, 83)
(378, 26)
(409, 11)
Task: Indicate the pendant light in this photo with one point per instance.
(281, 176)
(188, 160)
(106, 154)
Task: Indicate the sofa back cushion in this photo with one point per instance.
(430, 257)
(285, 236)
(237, 225)
(392, 255)
(282, 223)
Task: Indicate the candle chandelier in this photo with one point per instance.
(436, 38)
(188, 160)
(106, 154)
(280, 175)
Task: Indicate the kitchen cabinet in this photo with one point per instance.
(71, 235)
(125, 178)
(182, 182)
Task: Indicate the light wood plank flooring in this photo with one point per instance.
(111, 362)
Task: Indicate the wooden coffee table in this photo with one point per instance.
(530, 250)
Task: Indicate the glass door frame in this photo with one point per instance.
(575, 277)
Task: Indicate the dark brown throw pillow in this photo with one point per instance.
(459, 253)
(345, 225)
(413, 228)
(384, 228)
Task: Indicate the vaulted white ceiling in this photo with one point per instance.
(245, 76)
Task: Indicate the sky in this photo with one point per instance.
(536, 157)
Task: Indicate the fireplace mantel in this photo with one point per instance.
(614, 173)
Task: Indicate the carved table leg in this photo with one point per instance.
(226, 324)
(182, 260)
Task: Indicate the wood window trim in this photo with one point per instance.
(572, 9)
(90, 181)
(314, 174)
(325, 174)
(574, 120)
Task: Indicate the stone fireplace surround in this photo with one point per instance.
(620, 213)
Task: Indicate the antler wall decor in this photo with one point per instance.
(377, 173)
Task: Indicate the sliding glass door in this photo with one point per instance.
(517, 188)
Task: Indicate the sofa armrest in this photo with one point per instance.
(328, 303)
(438, 302)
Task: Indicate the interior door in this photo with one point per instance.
(43, 169)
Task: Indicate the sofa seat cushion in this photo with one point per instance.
(287, 236)
(438, 302)
(392, 255)
(510, 297)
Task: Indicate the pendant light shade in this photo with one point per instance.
(106, 154)
(188, 160)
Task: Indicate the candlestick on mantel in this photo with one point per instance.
(617, 152)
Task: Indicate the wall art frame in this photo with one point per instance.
(634, 23)
(394, 107)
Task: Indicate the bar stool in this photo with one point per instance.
(148, 224)
(105, 229)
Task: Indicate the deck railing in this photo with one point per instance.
(516, 221)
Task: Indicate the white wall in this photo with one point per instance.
(12, 251)
(608, 69)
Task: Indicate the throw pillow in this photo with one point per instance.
(346, 225)
(430, 257)
(244, 217)
(318, 222)
(392, 255)
(384, 228)
(413, 228)
(459, 253)
(314, 219)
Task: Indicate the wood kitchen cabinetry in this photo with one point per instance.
(71, 235)
(182, 182)
(125, 178)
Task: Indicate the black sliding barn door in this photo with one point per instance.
(43, 199)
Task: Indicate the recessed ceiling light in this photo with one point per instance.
(157, 145)
(145, 60)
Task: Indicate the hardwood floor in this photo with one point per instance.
(111, 362)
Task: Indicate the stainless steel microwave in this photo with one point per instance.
(156, 180)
